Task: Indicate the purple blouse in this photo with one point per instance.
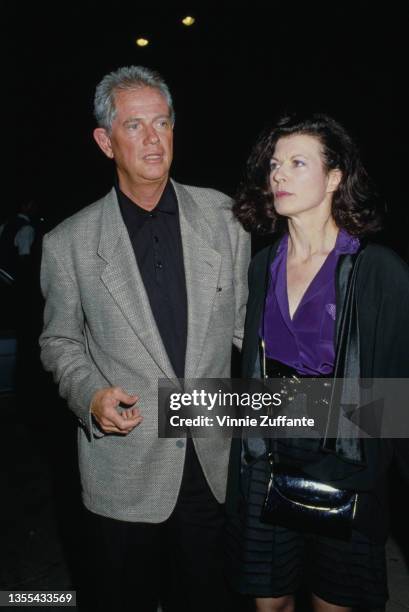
(305, 342)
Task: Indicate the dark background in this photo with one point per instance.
(229, 74)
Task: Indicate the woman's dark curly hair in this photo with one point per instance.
(353, 203)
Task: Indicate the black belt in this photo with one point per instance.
(278, 369)
(293, 382)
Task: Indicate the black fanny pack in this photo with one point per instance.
(298, 502)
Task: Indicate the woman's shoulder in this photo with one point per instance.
(382, 272)
(380, 259)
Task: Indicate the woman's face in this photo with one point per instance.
(298, 178)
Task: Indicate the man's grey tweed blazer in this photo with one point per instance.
(99, 331)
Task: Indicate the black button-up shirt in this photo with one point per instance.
(157, 244)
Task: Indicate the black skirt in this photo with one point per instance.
(272, 561)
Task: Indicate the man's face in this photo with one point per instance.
(141, 138)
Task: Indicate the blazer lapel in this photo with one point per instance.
(122, 278)
(202, 267)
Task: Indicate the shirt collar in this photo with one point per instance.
(346, 243)
(167, 203)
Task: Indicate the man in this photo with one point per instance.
(147, 283)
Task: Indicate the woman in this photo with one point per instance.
(305, 175)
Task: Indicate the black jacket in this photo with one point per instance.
(382, 312)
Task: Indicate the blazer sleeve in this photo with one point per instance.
(240, 244)
(241, 264)
(63, 343)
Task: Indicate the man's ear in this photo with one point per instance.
(103, 141)
(334, 179)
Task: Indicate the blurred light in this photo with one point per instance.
(188, 20)
(142, 42)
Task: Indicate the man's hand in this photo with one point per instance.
(104, 406)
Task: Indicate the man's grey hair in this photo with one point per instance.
(126, 78)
